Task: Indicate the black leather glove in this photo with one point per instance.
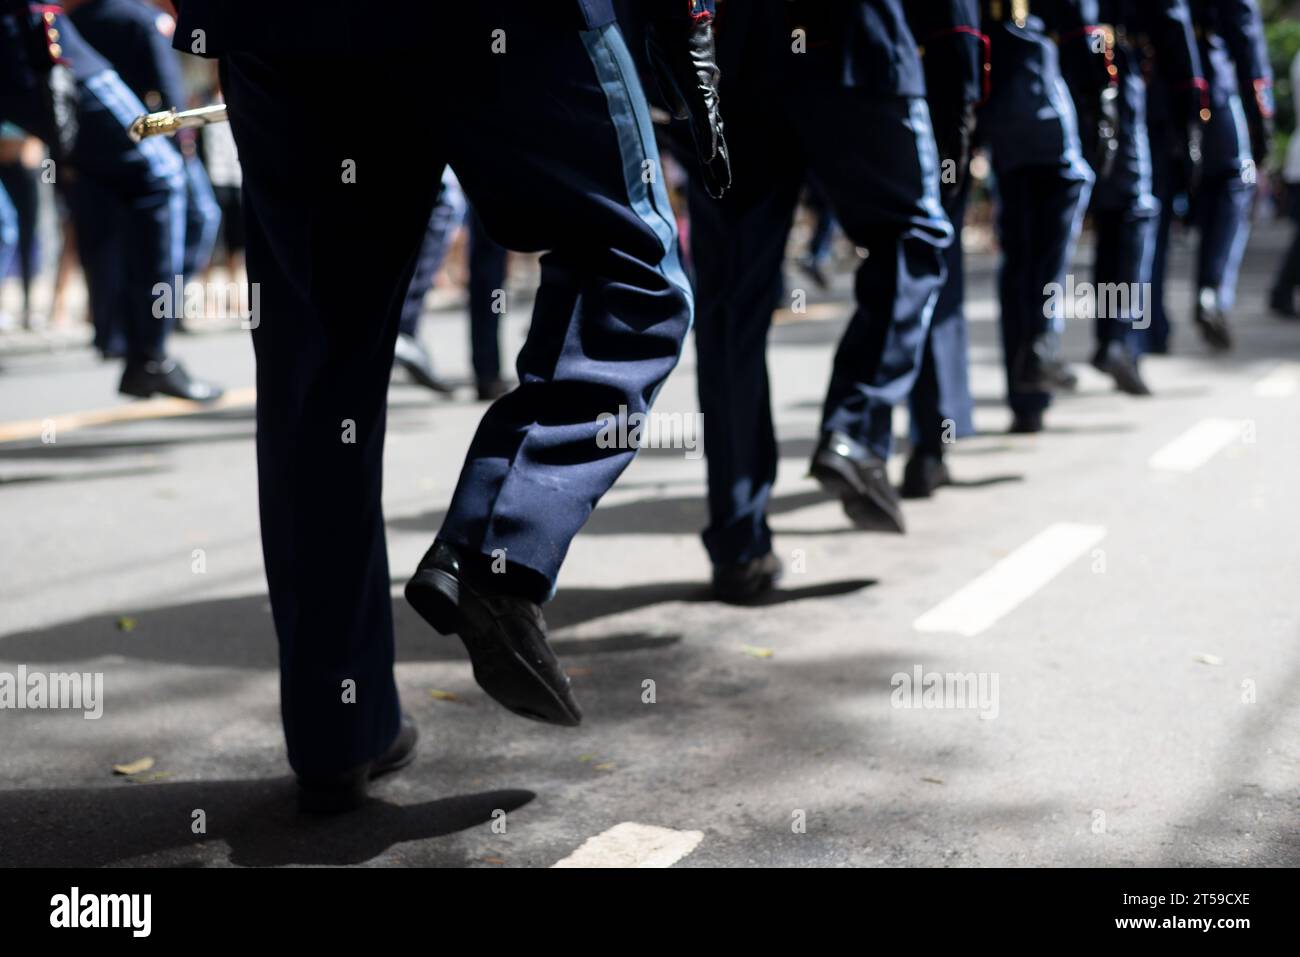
(1099, 130)
(61, 101)
(954, 132)
(686, 67)
(1261, 139)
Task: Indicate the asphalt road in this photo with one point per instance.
(1122, 588)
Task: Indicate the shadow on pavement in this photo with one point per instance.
(258, 819)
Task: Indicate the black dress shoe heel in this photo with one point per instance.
(504, 635)
(845, 469)
(435, 594)
(338, 791)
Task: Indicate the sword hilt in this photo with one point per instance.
(170, 122)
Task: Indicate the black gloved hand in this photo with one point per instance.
(954, 133)
(1261, 140)
(63, 100)
(1100, 131)
(686, 66)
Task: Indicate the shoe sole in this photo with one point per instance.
(748, 596)
(506, 677)
(865, 510)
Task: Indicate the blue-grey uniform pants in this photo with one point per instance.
(942, 408)
(549, 143)
(875, 159)
(1222, 210)
(143, 180)
(1125, 216)
(1043, 187)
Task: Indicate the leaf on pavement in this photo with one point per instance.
(756, 652)
(134, 767)
(437, 695)
(126, 623)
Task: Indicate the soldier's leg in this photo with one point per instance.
(739, 247)
(581, 179)
(1228, 190)
(336, 212)
(487, 282)
(1040, 211)
(147, 180)
(941, 404)
(202, 219)
(877, 161)
(8, 233)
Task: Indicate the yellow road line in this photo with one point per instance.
(161, 408)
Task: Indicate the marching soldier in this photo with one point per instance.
(344, 126)
(1043, 184)
(1238, 139)
(135, 38)
(55, 86)
(836, 91)
(1125, 210)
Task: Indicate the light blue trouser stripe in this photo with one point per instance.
(164, 161)
(636, 143)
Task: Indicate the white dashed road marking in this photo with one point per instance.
(1008, 583)
(1197, 445)
(634, 845)
(1282, 382)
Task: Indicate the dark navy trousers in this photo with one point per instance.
(1126, 216)
(942, 408)
(1043, 187)
(144, 182)
(1222, 205)
(487, 283)
(549, 143)
(8, 233)
(875, 159)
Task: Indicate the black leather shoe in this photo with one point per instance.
(1114, 360)
(846, 469)
(489, 390)
(1026, 423)
(165, 377)
(746, 582)
(410, 355)
(505, 636)
(924, 474)
(1212, 321)
(346, 790)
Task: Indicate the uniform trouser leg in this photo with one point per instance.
(8, 233)
(202, 219)
(1288, 275)
(1227, 190)
(101, 232)
(334, 216)
(1224, 220)
(487, 283)
(1038, 221)
(851, 139)
(738, 247)
(448, 214)
(1122, 273)
(21, 184)
(1157, 333)
(614, 305)
(942, 408)
(147, 182)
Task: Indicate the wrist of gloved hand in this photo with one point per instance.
(954, 132)
(685, 63)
